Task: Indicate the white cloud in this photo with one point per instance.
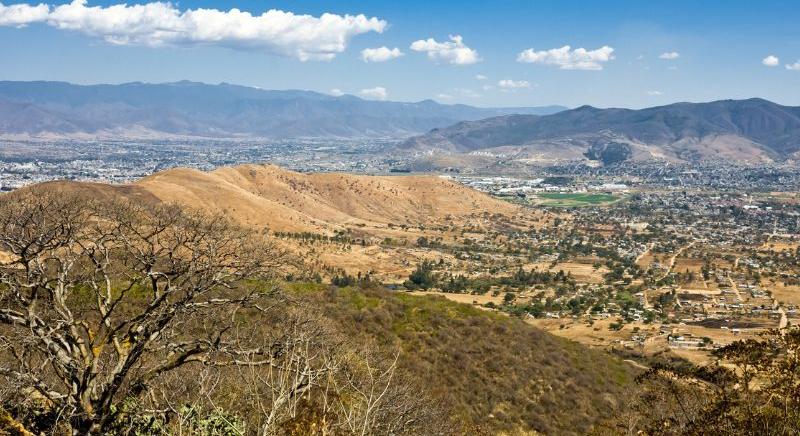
(480, 77)
(771, 61)
(795, 66)
(468, 93)
(453, 52)
(567, 59)
(304, 37)
(458, 93)
(513, 84)
(22, 14)
(670, 55)
(487, 87)
(336, 92)
(377, 93)
(380, 54)
(654, 93)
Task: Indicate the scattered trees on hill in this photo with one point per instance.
(122, 318)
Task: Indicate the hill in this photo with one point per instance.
(491, 373)
(753, 130)
(190, 109)
(269, 196)
(239, 342)
(498, 375)
(370, 209)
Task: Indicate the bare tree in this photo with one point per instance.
(310, 356)
(371, 396)
(325, 383)
(99, 298)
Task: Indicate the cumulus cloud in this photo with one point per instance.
(336, 92)
(453, 52)
(771, 61)
(567, 59)
(23, 14)
(304, 37)
(480, 77)
(670, 55)
(380, 54)
(513, 84)
(654, 93)
(794, 67)
(377, 93)
(444, 96)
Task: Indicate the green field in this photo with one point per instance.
(576, 199)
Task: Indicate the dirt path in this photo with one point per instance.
(675, 258)
(644, 253)
(784, 322)
(646, 303)
(735, 288)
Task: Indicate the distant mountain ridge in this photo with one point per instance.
(752, 129)
(195, 109)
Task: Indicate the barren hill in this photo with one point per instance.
(268, 196)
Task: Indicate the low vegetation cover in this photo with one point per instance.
(492, 372)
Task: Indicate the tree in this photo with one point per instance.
(422, 276)
(756, 392)
(99, 298)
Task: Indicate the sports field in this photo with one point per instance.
(576, 199)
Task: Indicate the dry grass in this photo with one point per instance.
(785, 294)
(464, 298)
(268, 196)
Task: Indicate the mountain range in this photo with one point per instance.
(191, 109)
(741, 130)
(749, 130)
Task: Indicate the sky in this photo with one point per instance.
(483, 53)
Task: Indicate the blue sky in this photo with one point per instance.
(720, 47)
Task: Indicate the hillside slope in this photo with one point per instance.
(753, 129)
(268, 196)
(497, 374)
(369, 210)
(190, 109)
